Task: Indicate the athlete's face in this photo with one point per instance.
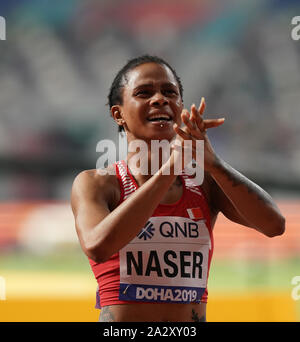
(151, 103)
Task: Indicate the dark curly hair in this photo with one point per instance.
(115, 94)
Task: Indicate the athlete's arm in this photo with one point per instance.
(103, 232)
(234, 195)
(243, 201)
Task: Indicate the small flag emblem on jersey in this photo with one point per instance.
(195, 213)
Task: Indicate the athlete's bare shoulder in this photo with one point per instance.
(97, 185)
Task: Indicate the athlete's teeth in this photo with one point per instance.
(164, 118)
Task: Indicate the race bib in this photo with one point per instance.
(166, 262)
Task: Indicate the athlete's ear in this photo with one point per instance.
(117, 115)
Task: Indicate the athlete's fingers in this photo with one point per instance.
(200, 122)
(182, 136)
(189, 123)
(202, 106)
(182, 132)
(194, 114)
(193, 111)
(185, 114)
(194, 123)
(188, 120)
(210, 123)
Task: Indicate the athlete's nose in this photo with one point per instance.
(159, 100)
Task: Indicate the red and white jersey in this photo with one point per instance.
(169, 259)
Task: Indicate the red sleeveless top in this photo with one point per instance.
(169, 260)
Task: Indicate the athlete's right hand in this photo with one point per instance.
(195, 129)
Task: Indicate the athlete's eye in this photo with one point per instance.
(143, 93)
(171, 92)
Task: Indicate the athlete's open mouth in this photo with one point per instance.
(159, 117)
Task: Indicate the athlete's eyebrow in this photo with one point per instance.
(169, 84)
(147, 85)
(144, 85)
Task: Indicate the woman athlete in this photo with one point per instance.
(149, 237)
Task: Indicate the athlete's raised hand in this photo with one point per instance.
(195, 129)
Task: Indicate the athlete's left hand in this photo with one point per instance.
(195, 129)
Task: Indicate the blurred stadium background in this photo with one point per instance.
(56, 67)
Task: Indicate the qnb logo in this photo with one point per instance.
(2, 28)
(147, 232)
(295, 33)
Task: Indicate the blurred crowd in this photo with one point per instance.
(60, 58)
